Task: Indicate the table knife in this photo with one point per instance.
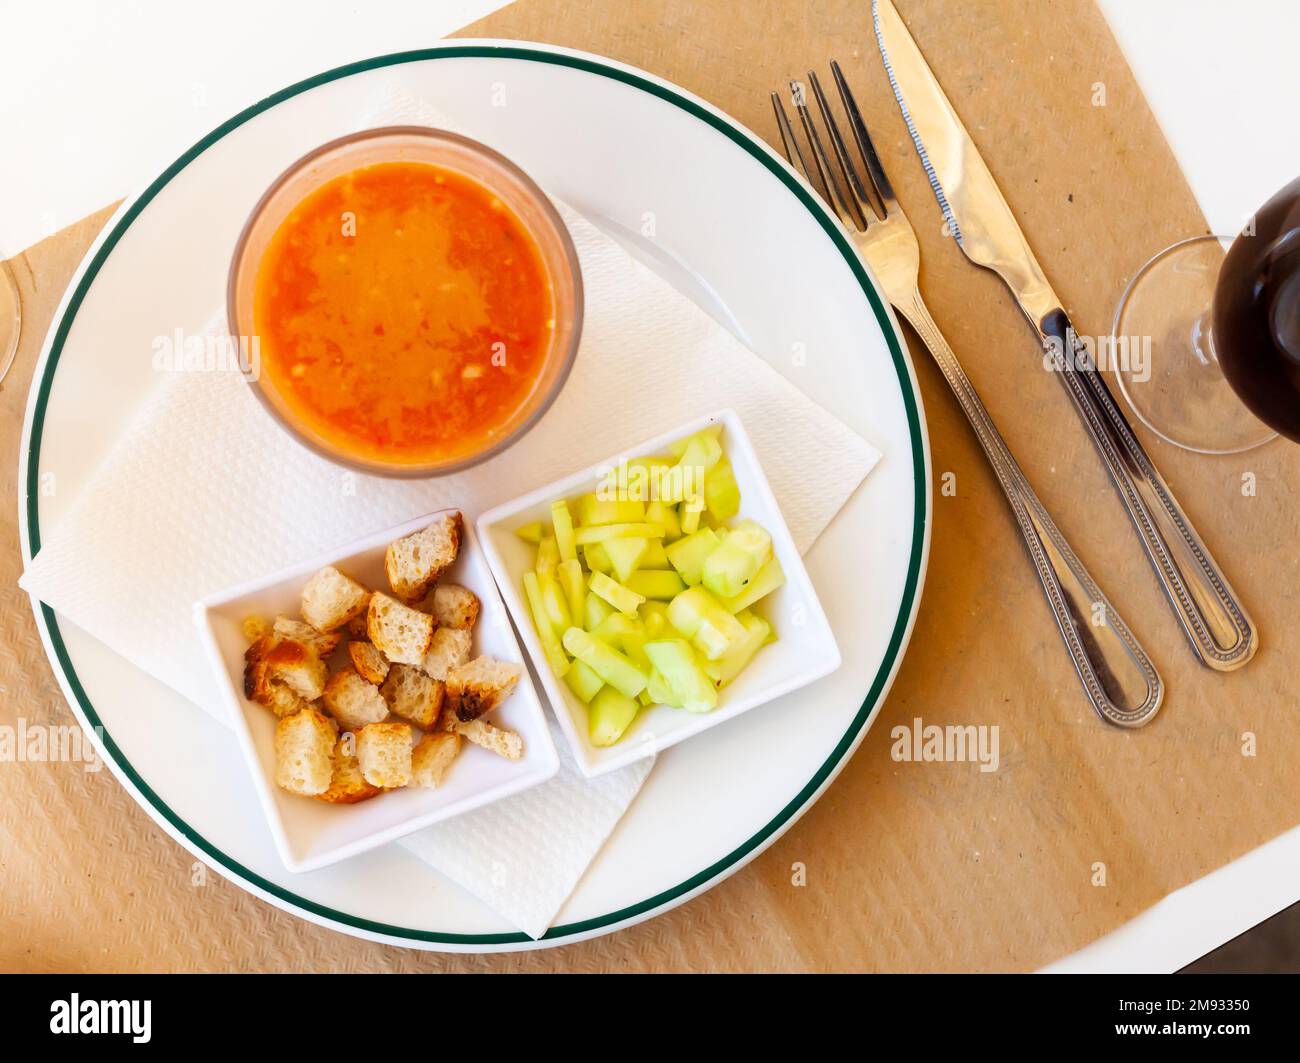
(1216, 624)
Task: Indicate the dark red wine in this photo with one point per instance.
(1257, 314)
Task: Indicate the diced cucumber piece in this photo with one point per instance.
(593, 510)
(613, 667)
(548, 554)
(582, 681)
(554, 602)
(691, 514)
(563, 521)
(530, 533)
(594, 611)
(624, 555)
(625, 633)
(677, 449)
(655, 617)
(730, 568)
(699, 616)
(603, 533)
(655, 556)
(644, 699)
(688, 554)
(620, 597)
(658, 690)
(542, 623)
(768, 579)
(573, 582)
(659, 584)
(609, 715)
(690, 687)
(736, 659)
(721, 492)
(662, 513)
(702, 452)
(597, 559)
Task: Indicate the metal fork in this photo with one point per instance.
(1118, 677)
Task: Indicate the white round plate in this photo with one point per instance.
(705, 203)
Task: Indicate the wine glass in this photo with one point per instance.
(1223, 373)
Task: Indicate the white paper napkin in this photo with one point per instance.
(205, 491)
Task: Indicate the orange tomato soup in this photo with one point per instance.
(404, 314)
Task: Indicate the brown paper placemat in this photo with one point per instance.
(908, 866)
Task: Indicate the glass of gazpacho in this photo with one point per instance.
(415, 299)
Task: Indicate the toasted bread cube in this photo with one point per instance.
(399, 632)
(330, 599)
(499, 740)
(254, 627)
(415, 562)
(432, 757)
(453, 606)
(480, 686)
(448, 649)
(356, 627)
(274, 661)
(304, 752)
(370, 664)
(413, 695)
(260, 687)
(354, 702)
(384, 753)
(347, 784)
(323, 642)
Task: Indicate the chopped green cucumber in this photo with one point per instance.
(548, 554)
(699, 616)
(655, 617)
(609, 715)
(563, 521)
(662, 585)
(530, 533)
(662, 513)
(603, 533)
(768, 579)
(721, 492)
(688, 554)
(655, 556)
(596, 558)
(574, 584)
(691, 514)
(735, 660)
(593, 510)
(594, 611)
(620, 597)
(730, 568)
(658, 690)
(624, 555)
(554, 602)
(702, 452)
(613, 667)
(551, 646)
(690, 687)
(677, 449)
(582, 681)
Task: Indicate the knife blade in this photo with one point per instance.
(978, 218)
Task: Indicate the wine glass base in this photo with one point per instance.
(1169, 374)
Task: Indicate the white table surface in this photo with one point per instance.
(97, 98)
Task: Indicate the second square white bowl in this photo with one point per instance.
(805, 649)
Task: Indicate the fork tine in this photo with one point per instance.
(874, 170)
(789, 144)
(861, 201)
(834, 195)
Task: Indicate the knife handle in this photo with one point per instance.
(1216, 624)
(1118, 677)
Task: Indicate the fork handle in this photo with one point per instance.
(1117, 675)
(1216, 624)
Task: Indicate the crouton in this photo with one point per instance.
(304, 752)
(448, 648)
(415, 562)
(499, 740)
(321, 641)
(254, 627)
(432, 757)
(282, 674)
(412, 695)
(259, 686)
(330, 599)
(399, 632)
(356, 627)
(384, 753)
(453, 606)
(369, 662)
(354, 702)
(347, 784)
(480, 686)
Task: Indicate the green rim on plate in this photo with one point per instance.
(914, 428)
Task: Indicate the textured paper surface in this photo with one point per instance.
(909, 866)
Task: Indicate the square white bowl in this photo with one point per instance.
(805, 649)
(311, 834)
